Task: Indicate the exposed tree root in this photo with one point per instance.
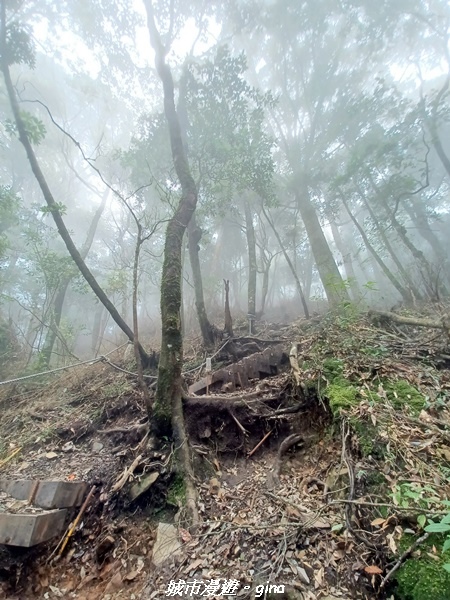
(133, 428)
(287, 443)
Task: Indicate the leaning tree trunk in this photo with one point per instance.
(330, 276)
(58, 304)
(405, 294)
(290, 264)
(48, 196)
(347, 260)
(387, 244)
(168, 407)
(415, 209)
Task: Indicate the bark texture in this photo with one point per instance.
(330, 276)
(168, 407)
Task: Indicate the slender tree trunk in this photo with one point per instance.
(194, 236)
(347, 260)
(168, 407)
(58, 304)
(139, 366)
(252, 265)
(330, 276)
(228, 320)
(298, 285)
(266, 264)
(416, 212)
(401, 230)
(437, 145)
(95, 335)
(405, 294)
(387, 244)
(48, 196)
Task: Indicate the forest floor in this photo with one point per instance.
(319, 478)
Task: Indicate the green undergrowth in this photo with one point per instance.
(176, 494)
(423, 577)
(343, 393)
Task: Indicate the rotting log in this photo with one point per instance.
(384, 316)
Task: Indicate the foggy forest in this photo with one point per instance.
(187, 181)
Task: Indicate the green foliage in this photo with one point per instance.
(332, 368)
(402, 394)
(443, 526)
(226, 134)
(423, 577)
(368, 441)
(342, 395)
(416, 495)
(9, 206)
(51, 268)
(58, 208)
(176, 494)
(34, 127)
(19, 48)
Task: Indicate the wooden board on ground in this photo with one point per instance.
(46, 494)
(257, 366)
(28, 530)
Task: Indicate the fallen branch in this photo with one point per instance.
(126, 474)
(241, 427)
(378, 315)
(259, 444)
(71, 529)
(403, 557)
(8, 458)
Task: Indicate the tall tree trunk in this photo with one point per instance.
(347, 260)
(252, 265)
(228, 320)
(401, 231)
(139, 365)
(266, 264)
(405, 294)
(48, 196)
(298, 285)
(330, 276)
(58, 304)
(415, 209)
(168, 407)
(96, 326)
(194, 236)
(387, 244)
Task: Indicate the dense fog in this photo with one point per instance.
(317, 140)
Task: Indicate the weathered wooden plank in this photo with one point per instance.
(49, 494)
(27, 530)
(258, 365)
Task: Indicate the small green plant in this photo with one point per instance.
(442, 526)
(176, 494)
(416, 495)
